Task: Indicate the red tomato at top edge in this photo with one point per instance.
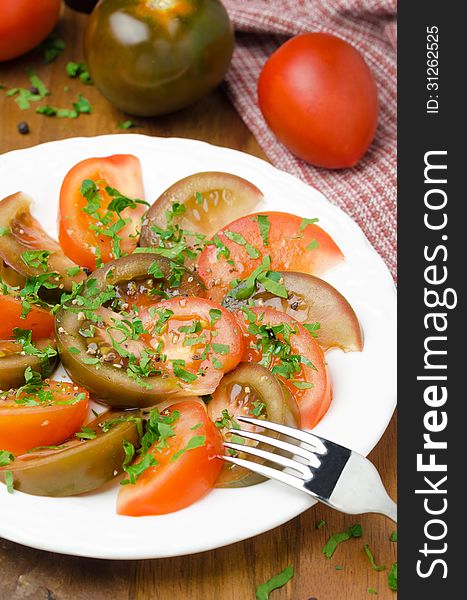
(24, 24)
(319, 97)
(76, 236)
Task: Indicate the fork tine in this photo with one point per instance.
(291, 432)
(283, 461)
(268, 472)
(296, 450)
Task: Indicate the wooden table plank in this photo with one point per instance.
(230, 573)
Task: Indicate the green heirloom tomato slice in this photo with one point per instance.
(144, 278)
(14, 361)
(27, 249)
(249, 390)
(201, 204)
(99, 330)
(78, 465)
(314, 303)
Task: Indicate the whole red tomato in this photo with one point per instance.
(319, 97)
(24, 24)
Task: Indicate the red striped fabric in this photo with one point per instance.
(367, 192)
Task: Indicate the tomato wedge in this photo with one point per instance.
(281, 344)
(292, 243)
(38, 320)
(182, 475)
(30, 419)
(78, 215)
(199, 339)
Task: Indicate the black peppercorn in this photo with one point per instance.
(23, 127)
(34, 90)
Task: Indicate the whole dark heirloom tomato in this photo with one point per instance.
(150, 57)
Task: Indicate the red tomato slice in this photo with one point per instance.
(314, 401)
(292, 244)
(176, 482)
(121, 172)
(49, 423)
(200, 340)
(38, 320)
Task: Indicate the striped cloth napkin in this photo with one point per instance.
(367, 192)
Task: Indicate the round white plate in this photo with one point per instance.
(364, 383)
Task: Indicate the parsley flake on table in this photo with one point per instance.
(125, 125)
(372, 591)
(52, 47)
(276, 582)
(371, 558)
(80, 70)
(331, 545)
(392, 578)
(393, 536)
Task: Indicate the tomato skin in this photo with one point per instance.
(319, 97)
(120, 171)
(314, 402)
(173, 485)
(225, 331)
(38, 320)
(152, 58)
(23, 428)
(286, 247)
(24, 24)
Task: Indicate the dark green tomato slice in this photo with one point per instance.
(134, 284)
(22, 241)
(106, 382)
(311, 300)
(203, 203)
(249, 390)
(13, 363)
(78, 465)
(152, 58)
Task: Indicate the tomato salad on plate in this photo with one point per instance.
(171, 320)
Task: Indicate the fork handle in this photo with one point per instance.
(360, 490)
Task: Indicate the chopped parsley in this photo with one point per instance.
(270, 280)
(312, 245)
(73, 271)
(237, 238)
(393, 536)
(24, 337)
(279, 580)
(319, 524)
(182, 373)
(371, 558)
(126, 125)
(214, 314)
(331, 545)
(264, 227)
(52, 47)
(196, 441)
(86, 433)
(6, 458)
(305, 222)
(37, 259)
(80, 70)
(372, 591)
(5, 231)
(259, 408)
(313, 328)
(9, 481)
(392, 578)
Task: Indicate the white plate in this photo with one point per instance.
(364, 383)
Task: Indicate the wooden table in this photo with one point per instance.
(230, 573)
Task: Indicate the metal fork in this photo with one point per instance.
(333, 474)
